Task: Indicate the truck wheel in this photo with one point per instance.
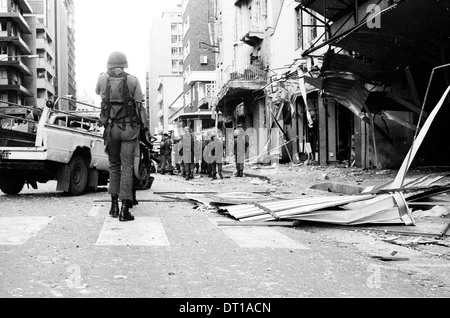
(78, 176)
(12, 187)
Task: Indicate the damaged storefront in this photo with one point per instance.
(241, 104)
(374, 80)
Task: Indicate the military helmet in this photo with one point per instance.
(117, 59)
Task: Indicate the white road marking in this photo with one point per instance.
(18, 230)
(93, 212)
(259, 237)
(140, 232)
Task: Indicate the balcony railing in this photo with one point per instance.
(248, 73)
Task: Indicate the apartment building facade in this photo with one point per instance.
(198, 66)
(13, 53)
(65, 83)
(42, 41)
(38, 53)
(166, 59)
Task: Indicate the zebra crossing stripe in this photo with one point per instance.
(94, 211)
(259, 237)
(18, 230)
(140, 232)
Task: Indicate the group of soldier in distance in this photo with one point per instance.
(189, 154)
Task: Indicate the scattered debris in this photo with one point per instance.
(415, 241)
(120, 277)
(234, 223)
(390, 258)
(437, 211)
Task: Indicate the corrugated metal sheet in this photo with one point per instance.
(331, 9)
(349, 93)
(336, 63)
(413, 32)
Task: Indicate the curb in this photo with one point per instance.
(249, 174)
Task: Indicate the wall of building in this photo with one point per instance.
(160, 62)
(170, 89)
(196, 17)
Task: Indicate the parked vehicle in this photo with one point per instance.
(67, 147)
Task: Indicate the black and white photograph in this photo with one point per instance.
(225, 156)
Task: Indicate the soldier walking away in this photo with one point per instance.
(188, 143)
(240, 149)
(123, 116)
(198, 152)
(216, 145)
(166, 155)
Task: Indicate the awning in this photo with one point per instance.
(347, 92)
(411, 32)
(196, 115)
(315, 82)
(341, 63)
(331, 9)
(414, 32)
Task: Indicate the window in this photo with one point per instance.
(298, 12)
(174, 38)
(4, 26)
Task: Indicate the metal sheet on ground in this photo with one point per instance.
(259, 237)
(140, 232)
(18, 230)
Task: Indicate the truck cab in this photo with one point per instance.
(67, 147)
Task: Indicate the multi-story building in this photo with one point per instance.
(241, 66)
(169, 86)
(166, 58)
(13, 53)
(65, 83)
(291, 101)
(198, 65)
(38, 52)
(42, 43)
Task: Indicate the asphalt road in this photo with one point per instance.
(52, 245)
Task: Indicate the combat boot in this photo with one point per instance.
(114, 212)
(220, 175)
(125, 214)
(214, 177)
(135, 201)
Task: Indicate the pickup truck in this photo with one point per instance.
(67, 146)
